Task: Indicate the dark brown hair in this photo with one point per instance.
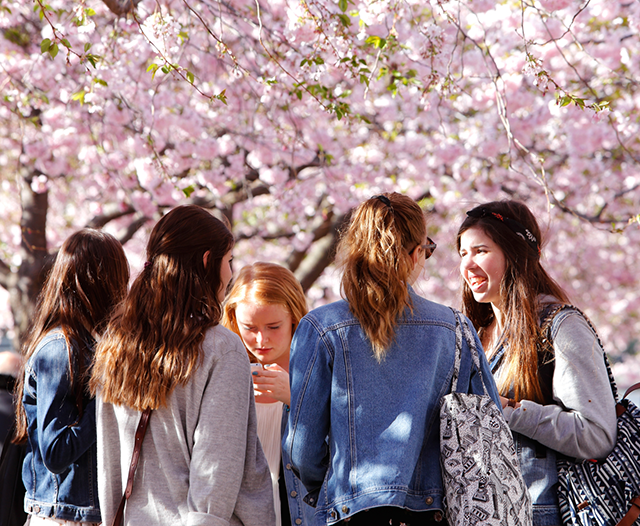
(88, 278)
(375, 256)
(153, 342)
(524, 280)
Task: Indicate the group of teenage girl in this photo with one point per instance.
(263, 413)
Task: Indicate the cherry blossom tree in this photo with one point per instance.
(282, 115)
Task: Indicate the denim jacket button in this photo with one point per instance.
(36, 509)
(333, 514)
(298, 521)
(288, 466)
(294, 493)
(345, 509)
(429, 501)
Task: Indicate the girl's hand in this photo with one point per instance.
(505, 402)
(273, 382)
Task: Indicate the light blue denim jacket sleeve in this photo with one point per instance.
(63, 436)
(312, 403)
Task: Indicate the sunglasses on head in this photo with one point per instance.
(429, 248)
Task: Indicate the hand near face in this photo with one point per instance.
(272, 382)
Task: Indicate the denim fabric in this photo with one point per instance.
(300, 512)
(60, 467)
(538, 467)
(364, 434)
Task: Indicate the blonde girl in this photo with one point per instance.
(264, 308)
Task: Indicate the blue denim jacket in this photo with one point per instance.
(60, 467)
(364, 434)
(301, 513)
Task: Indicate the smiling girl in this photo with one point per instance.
(560, 404)
(264, 308)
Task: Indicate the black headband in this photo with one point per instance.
(516, 227)
(384, 199)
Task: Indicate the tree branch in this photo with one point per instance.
(5, 273)
(111, 211)
(121, 7)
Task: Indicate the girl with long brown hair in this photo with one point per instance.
(558, 403)
(55, 413)
(164, 350)
(367, 376)
(264, 308)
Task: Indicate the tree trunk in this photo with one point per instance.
(25, 284)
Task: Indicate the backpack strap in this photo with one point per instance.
(141, 430)
(546, 351)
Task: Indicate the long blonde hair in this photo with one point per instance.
(153, 343)
(374, 254)
(265, 284)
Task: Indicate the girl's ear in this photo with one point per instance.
(416, 255)
(205, 258)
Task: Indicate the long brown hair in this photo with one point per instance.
(154, 340)
(374, 254)
(88, 278)
(265, 284)
(523, 281)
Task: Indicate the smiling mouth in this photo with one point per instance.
(475, 283)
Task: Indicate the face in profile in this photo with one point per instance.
(266, 331)
(226, 273)
(482, 265)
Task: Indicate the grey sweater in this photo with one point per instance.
(201, 461)
(582, 423)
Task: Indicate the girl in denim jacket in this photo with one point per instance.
(367, 377)
(264, 308)
(559, 404)
(55, 414)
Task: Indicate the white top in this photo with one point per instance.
(269, 426)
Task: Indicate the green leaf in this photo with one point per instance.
(343, 4)
(87, 47)
(65, 43)
(53, 50)
(318, 60)
(188, 190)
(190, 78)
(101, 82)
(376, 41)
(165, 69)
(45, 45)
(303, 62)
(89, 12)
(345, 20)
(79, 96)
